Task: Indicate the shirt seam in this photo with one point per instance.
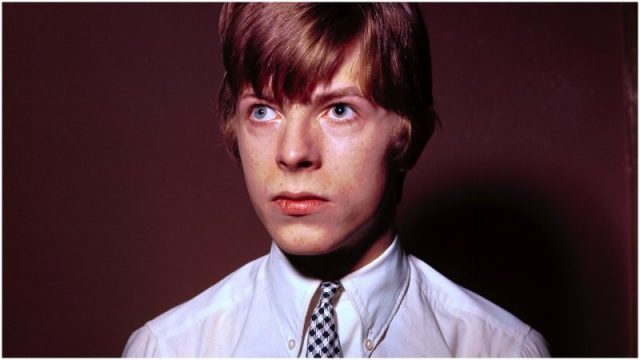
(162, 345)
(251, 293)
(433, 303)
(199, 319)
(274, 312)
(496, 326)
(361, 309)
(524, 341)
(393, 313)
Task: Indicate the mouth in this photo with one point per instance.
(299, 204)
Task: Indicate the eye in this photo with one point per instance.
(341, 112)
(263, 113)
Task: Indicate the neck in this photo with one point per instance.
(339, 263)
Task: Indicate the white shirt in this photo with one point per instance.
(396, 306)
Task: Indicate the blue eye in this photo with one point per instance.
(263, 113)
(341, 112)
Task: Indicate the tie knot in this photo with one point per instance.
(328, 290)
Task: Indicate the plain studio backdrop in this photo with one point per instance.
(119, 201)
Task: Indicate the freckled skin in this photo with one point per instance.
(305, 150)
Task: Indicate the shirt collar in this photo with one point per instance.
(376, 290)
(290, 293)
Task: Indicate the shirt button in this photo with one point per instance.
(292, 344)
(368, 344)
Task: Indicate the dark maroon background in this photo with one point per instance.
(119, 201)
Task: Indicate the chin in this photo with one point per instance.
(306, 243)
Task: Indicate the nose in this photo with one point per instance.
(299, 146)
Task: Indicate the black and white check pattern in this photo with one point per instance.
(323, 333)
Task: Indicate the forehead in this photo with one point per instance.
(350, 75)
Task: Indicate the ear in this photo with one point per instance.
(416, 137)
(400, 144)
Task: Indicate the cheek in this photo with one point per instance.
(359, 166)
(252, 161)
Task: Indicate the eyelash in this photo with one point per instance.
(253, 108)
(349, 110)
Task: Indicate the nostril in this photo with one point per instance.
(298, 147)
(293, 165)
(305, 164)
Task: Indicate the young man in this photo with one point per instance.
(327, 106)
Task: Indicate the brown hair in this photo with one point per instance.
(286, 49)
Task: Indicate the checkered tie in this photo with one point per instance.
(323, 334)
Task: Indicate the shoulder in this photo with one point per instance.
(470, 324)
(216, 315)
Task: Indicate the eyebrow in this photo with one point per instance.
(325, 97)
(319, 98)
(252, 94)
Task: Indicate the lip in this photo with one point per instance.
(299, 204)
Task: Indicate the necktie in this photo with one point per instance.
(323, 333)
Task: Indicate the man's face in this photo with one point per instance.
(316, 172)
